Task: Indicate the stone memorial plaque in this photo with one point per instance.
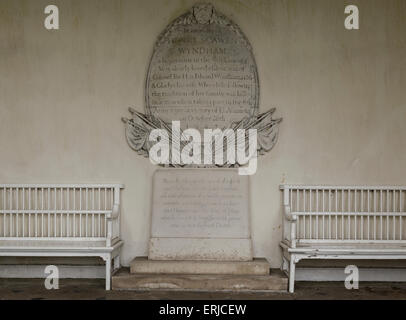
(202, 72)
(200, 203)
(200, 214)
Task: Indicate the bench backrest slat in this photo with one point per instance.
(347, 213)
(58, 211)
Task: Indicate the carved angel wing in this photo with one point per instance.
(267, 129)
(138, 129)
(140, 126)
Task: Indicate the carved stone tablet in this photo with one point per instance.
(200, 203)
(202, 72)
(200, 214)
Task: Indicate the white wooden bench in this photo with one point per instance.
(69, 220)
(342, 222)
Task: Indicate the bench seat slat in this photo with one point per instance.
(359, 213)
(55, 211)
(348, 249)
(65, 251)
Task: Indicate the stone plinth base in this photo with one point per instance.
(200, 249)
(258, 266)
(124, 280)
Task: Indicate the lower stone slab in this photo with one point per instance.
(200, 249)
(124, 280)
(258, 266)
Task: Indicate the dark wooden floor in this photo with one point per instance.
(33, 289)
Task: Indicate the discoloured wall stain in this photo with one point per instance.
(283, 180)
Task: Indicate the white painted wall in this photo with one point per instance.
(341, 94)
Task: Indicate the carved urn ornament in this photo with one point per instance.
(203, 74)
(203, 13)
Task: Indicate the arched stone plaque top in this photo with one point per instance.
(202, 72)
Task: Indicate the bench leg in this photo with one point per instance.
(116, 262)
(108, 272)
(292, 274)
(285, 264)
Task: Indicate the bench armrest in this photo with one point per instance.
(289, 215)
(289, 231)
(113, 219)
(115, 212)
